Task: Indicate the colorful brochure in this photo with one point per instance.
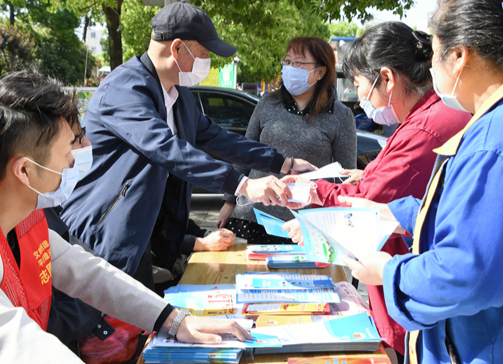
(286, 309)
(163, 339)
(282, 281)
(331, 233)
(291, 262)
(342, 359)
(247, 294)
(205, 300)
(355, 328)
(261, 252)
(281, 320)
(153, 354)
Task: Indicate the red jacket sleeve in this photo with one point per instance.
(403, 168)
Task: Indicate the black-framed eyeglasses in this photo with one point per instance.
(81, 135)
(297, 64)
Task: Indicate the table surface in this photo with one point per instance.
(221, 267)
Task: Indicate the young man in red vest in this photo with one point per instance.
(37, 170)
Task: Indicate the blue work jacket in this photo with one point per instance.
(455, 286)
(114, 208)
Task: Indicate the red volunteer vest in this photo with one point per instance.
(30, 285)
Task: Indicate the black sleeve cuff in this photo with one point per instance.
(188, 243)
(277, 163)
(232, 182)
(162, 317)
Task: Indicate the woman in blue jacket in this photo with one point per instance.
(450, 288)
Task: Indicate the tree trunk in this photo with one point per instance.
(87, 21)
(12, 14)
(113, 18)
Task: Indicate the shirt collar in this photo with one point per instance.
(170, 97)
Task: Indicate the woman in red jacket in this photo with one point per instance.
(390, 66)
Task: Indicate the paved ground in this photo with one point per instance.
(205, 210)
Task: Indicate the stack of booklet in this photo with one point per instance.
(281, 256)
(165, 349)
(284, 288)
(294, 313)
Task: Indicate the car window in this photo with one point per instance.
(346, 91)
(227, 110)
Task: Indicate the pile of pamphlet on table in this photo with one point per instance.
(281, 256)
(284, 312)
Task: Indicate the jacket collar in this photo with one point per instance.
(451, 146)
(147, 62)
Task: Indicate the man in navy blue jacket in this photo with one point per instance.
(145, 126)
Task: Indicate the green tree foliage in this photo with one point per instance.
(59, 51)
(107, 11)
(136, 27)
(55, 48)
(16, 48)
(261, 46)
(12, 7)
(345, 29)
(254, 17)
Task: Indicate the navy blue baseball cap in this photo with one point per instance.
(188, 22)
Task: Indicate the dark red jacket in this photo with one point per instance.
(403, 168)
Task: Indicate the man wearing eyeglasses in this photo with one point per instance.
(145, 126)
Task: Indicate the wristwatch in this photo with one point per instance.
(177, 321)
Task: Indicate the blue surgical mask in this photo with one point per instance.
(385, 115)
(449, 100)
(84, 159)
(69, 179)
(295, 80)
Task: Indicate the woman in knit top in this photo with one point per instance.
(303, 119)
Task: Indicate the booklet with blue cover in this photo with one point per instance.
(205, 300)
(356, 332)
(294, 293)
(290, 262)
(272, 225)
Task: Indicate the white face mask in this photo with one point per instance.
(385, 115)
(69, 179)
(84, 159)
(449, 100)
(295, 80)
(200, 70)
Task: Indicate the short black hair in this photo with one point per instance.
(396, 46)
(476, 24)
(32, 107)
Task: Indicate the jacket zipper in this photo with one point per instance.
(121, 194)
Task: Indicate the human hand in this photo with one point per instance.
(294, 231)
(225, 214)
(200, 330)
(369, 269)
(355, 175)
(220, 239)
(267, 190)
(301, 166)
(383, 208)
(313, 192)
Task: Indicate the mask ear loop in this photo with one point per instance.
(312, 186)
(372, 89)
